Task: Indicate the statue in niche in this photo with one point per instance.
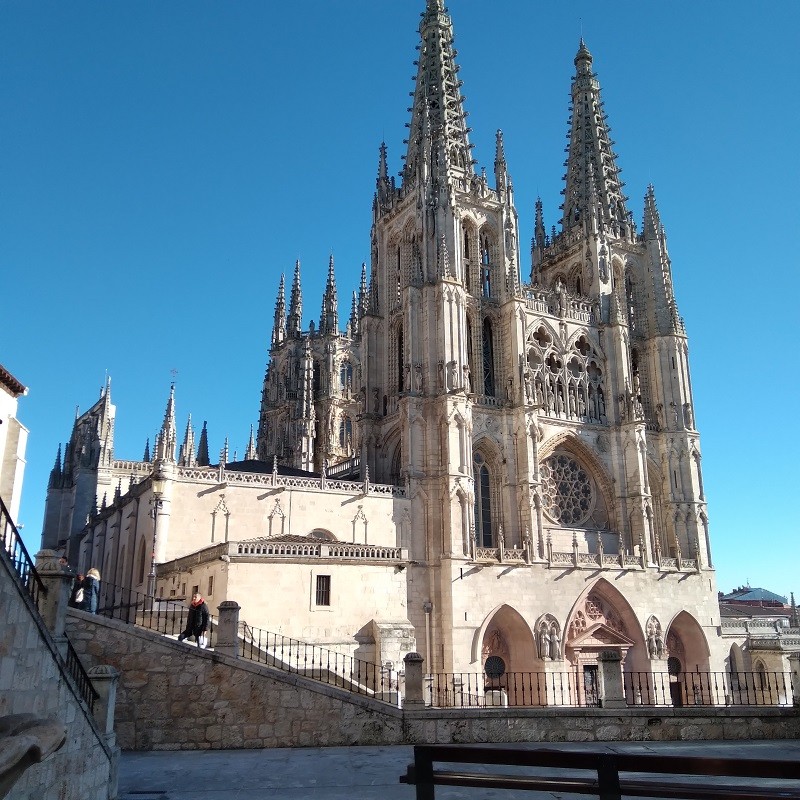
(674, 413)
(655, 639)
(418, 377)
(687, 415)
(467, 386)
(376, 406)
(453, 374)
(561, 291)
(361, 399)
(509, 389)
(539, 395)
(581, 404)
(528, 387)
(544, 642)
(555, 645)
(601, 403)
(573, 405)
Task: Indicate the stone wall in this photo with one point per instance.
(174, 697)
(32, 681)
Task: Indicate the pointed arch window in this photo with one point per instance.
(488, 358)
(483, 503)
(142, 562)
(400, 351)
(346, 433)
(346, 375)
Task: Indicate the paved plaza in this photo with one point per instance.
(354, 773)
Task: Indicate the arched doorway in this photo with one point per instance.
(690, 682)
(507, 657)
(602, 620)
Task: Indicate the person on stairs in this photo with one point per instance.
(197, 621)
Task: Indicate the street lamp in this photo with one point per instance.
(157, 483)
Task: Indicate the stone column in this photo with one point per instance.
(794, 662)
(612, 694)
(104, 680)
(415, 697)
(228, 629)
(53, 603)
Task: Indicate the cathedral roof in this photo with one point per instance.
(256, 465)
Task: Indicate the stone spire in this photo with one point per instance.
(329, 317)
(187, 457)
(55, 473)
(354, 316)
(794, 619)
(438, 127)
(146, 456)
(202, 448)
(279, 326)
(539, 241)
(667, 318)
(500, 167)
(307, 428)
(363, 293)
(223, 454)
(168, 435)
(250, 452)
(294, 322)
(590, 151)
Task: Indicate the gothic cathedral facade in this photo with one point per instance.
(529, 431)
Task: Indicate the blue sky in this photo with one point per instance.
(162, 163)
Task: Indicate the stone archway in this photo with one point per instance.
(507, 657)
(688, 663)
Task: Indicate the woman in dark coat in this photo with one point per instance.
(197, 621)
(91, 591)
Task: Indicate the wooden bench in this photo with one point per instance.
(609, 776)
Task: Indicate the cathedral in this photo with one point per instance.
(484, 459)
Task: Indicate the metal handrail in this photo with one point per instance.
(319, 663)
(23, 564)
(80, 676)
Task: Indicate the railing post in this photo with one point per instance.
(57, 581)
(104, 679)
(414, 693)
(228, 628)
(612, 694)
(794, 662)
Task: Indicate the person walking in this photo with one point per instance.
(197, 621)
(91, 591)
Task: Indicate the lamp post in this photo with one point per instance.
(158, 484)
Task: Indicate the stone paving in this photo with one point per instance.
(354, 773)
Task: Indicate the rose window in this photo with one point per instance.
(567, 489)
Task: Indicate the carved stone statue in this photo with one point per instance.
(555, 645)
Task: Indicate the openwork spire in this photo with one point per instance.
(590, 156)
(329, 318)
(294, 322)
(438, 126)
(500, 166)
(250, 453)
(363, 293)
(279, 326)
(167, 436)
(187, 457)
(652, 219)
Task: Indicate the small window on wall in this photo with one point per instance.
(195, 590)
(183, 589)
(210, 586)
(323, 594)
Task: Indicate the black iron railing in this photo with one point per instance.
(17, 552)
(478, 690)
(319, 663)
(82, 680)
(708, 689)
(167, 617)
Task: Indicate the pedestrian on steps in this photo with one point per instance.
(197, 621)
(91, 591)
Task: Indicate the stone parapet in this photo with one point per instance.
(174, 697)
